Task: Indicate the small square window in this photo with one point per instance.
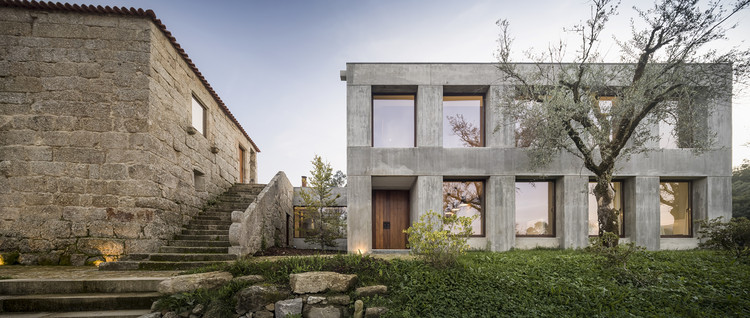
(199, 116)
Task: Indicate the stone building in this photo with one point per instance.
(402, 160)
(110, 137)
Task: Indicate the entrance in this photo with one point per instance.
(390, 217)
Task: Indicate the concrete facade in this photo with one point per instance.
(298, 202)
(499, 164)
(97, 154)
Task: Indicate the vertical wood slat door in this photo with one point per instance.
(390, 219)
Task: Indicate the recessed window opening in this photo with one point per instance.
(535, 208)
(675, 211)
(465, 199)
(593, 208)
(393, 121)
(198, 116)
(199, 181)
(463, 121)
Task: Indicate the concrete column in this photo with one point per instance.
(429, 116)
(571, 202)
(712, 198)
(499, 131)
(426, 194)
(500, 212)
(641, 203)
(719, 120)
(359, 214)
(359, 116)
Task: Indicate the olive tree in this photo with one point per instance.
(602, 113)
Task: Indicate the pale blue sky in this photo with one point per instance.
(276, 63)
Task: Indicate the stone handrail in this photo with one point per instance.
(264, 223)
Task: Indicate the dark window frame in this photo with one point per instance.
(622, 211)
(551, 195)
(483, 201)
(373, 97)
(690, 208)
(482, 117)
(205, 114)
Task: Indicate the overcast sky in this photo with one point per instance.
(276, 63)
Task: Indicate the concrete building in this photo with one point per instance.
(110, 137)
(405, 159)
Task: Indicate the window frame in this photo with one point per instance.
(299, 217)
(204, 123)
(373, 97)
(690, 208)
(483, 201)
(551, 196)
(482, 117)
(622, 204)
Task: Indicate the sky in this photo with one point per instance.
(276, 64)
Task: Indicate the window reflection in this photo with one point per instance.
(393, 121)
(464, 198)
(304, 225)
(616, 204)
(674, 199)
(535, 213)
(462, 121)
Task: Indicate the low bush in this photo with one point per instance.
(440, 239)
(732, 236)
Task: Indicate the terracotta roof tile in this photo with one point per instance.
(57, 6)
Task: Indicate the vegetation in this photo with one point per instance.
(325, 224)
(741, 190)
(530, 283)
(439, 239)
(732, 236)
(601, 114)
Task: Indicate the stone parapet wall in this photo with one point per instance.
(86, 169)
(266, 222)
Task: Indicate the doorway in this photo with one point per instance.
(390, 218)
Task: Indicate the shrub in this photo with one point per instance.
(732, 236)
(440, 239)
(616, 258)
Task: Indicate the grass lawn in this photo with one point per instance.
(539, 283)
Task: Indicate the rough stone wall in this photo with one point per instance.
(266, 222)
(86, 168)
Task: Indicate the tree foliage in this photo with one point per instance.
(732, 237)
(439, 238)
(741, 190)
(325, 224)
(602, 113)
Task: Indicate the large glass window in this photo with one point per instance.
(199, 116)
(393, 121)
(535, 208)
(304, 225)
(463, 118)
(616, 204)
(675, 212)
(465, 198)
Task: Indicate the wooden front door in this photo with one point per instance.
(390, 218)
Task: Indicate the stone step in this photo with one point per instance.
(156, 266)
(73, 286)
(202, 237)
(209, 222)
(193, 249)
(204, 232)
(184, 257)
(127, 313)
(236, 198)
(199, 243)
(215, 217)
(224, 227)
(76, 302)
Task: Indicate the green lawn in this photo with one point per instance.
(542, 283)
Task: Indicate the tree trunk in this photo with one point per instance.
(606, 214)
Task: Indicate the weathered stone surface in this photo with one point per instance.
(374, 312)
(255, 298)
(288, 307)
(329, 311)
(369, 291)
(339, 300)
(315, 299)
(359, 307)
(186, 283)
(318, 282)
(170, 314)
(151, 315)
(251, 279)
(263, 314)
(270, 307)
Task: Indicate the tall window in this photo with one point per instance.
(463, 121)
(616, 204)
(465, 198)
(242, 164)
(393, 121)
(199, 117)
(535, 208)
(675, 211)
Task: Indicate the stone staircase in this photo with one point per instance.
(204, 241)
(71, 298)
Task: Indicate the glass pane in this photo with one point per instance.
(535, 208)
(462, 121)
(464, 199)
(197, 116)
(393, 121)
(667, 134)
(304, 225)
(674, 198)
(616, 203)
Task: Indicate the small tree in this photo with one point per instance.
(325, 223)
(602, 113)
